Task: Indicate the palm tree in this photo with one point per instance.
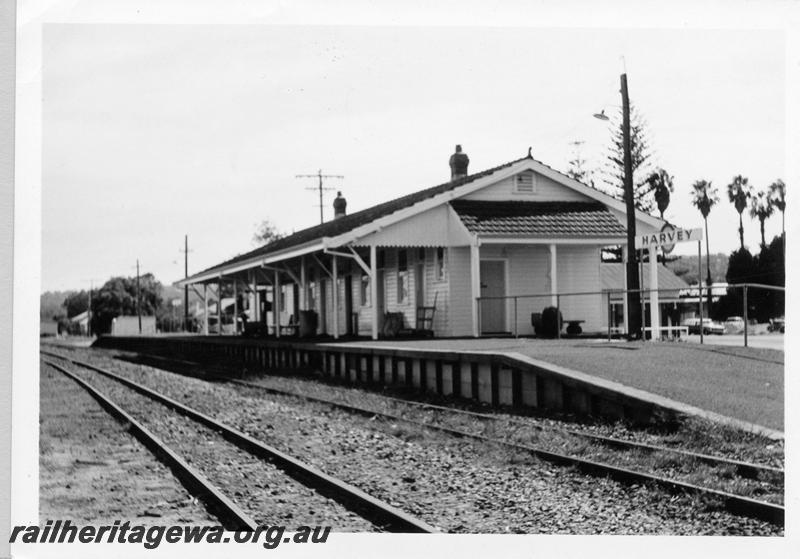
(739, 191)
(761, 207)
(705, 197)
(661, 184)
(777, 193)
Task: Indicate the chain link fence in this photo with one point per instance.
(744, 310)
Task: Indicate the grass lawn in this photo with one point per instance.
(744, 383)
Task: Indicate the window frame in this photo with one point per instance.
(440, 263)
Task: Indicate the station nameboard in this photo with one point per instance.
(667, 238)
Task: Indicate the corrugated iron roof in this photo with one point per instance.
(539, 219)
(611, 277)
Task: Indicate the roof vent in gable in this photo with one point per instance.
(524, 183)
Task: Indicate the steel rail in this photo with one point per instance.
(737, 504)
(744, 469)
(230, 515)
(382, 514)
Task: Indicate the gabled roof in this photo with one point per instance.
(539, 219)
(345, 229)
(357, 219)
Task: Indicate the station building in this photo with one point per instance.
(448, 259)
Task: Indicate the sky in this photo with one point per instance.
(153, 132)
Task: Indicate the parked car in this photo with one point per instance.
(777, 325)
(709, 326)
(734, 325)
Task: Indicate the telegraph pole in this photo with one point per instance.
(185, 252)
(89, 313)
(320, 188)
(138, 298)
(634, 316)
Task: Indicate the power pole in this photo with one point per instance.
(320, 188)
(185, 252)
(138, 298)
(89, 313)
(634, 315)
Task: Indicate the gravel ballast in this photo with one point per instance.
(92, 470)
(264, 492)
(457, 485)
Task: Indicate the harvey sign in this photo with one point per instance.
(667, 238)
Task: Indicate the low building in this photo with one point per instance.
(459, 251)
(79, 324)
(672, 305)
(133, 325)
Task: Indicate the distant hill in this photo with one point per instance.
(686, 267)
(51, 304)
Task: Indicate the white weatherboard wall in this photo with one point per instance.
(437, 291)
(579, 271)
(392, 304)
(545, 190)
(528, 269)
(459, 315)
(439, 226)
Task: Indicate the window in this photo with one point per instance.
(524, 183)
(381, 259)
(402, 277)
(366, 299)
(440, 264)
(311, 294)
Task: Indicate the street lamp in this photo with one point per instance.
(634, 312)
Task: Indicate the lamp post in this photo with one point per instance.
(632, 295)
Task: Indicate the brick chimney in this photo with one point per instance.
(339, 206)
(458, 164)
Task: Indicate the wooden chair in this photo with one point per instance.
(425, 316)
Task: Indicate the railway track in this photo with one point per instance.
(380, 514)
(229, 514)
(737, 504)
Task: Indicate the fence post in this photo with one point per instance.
(700, 286)
(701, 312)
(558, 316)
(478, 302)
(516, 328)
(744, 315)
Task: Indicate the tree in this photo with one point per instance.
(640, 162)
(741, 269)
(660, 183)
(761, 208)
(576, 169)
(75, 303)
(770, 265)
(118, 297)
(705, 197)
(51, 304)
(739, 192)
(777, 194)
(266, 233)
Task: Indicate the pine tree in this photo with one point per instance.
(576, 168)
(640, 159)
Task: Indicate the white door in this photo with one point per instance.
(493, 284)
